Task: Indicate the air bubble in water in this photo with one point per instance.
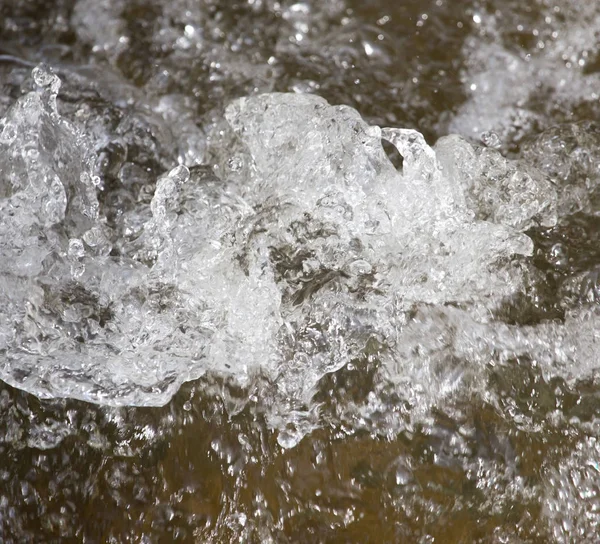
(491, 139)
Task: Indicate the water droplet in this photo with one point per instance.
(558, 255)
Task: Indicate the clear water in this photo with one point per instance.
(299, 272)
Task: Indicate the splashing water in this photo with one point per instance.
(319, 247)
(232, 313)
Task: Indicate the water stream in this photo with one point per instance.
(282, 271)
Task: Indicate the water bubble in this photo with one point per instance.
(8, 133)
(235, 164)
(559, 255)
(76, 248)
(43, 76)
(180, 174)
(491, 139)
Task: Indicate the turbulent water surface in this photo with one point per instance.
(299, 271)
